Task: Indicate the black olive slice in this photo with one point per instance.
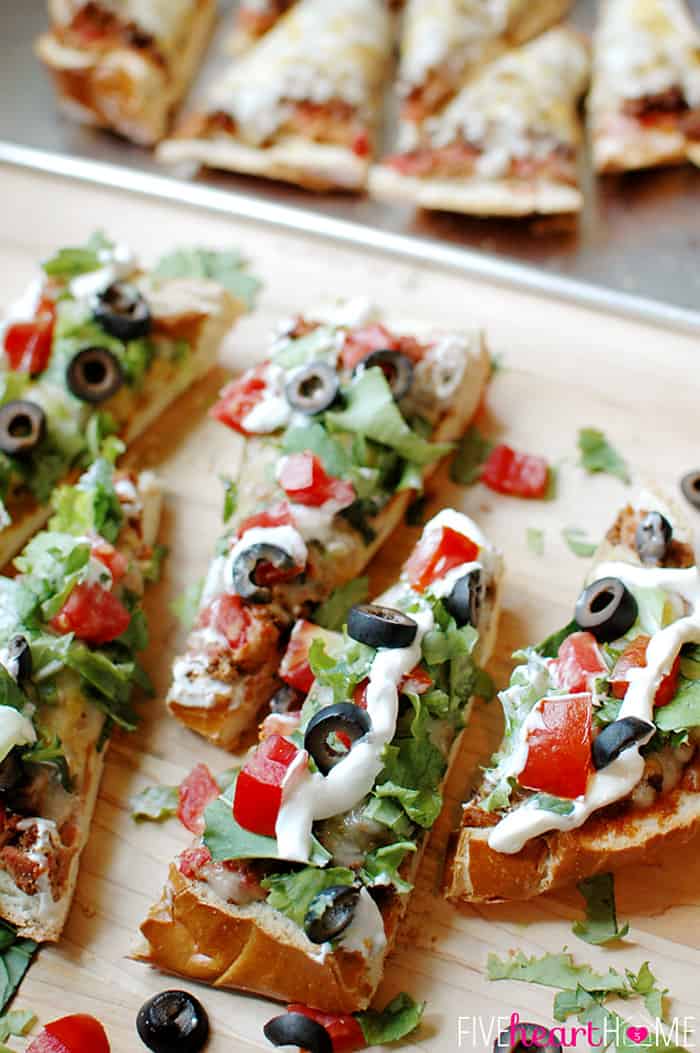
(520, 1037)
(245, 565)
(94, 374)
(11, 771)
(690, 486)
(652, 538)
(396, 367)
(19, 658)
(378, 626)
(173, 1022)
(617, 737)
(122, 311)
(22, 427)
(295, 1029)
(464, 602)
(607, 609)
(330, 912)
(313, 389)
(343, 719)
(286, 700)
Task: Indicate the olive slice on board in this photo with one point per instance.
(690, 487)
(464, 602)
(607, 609)
(22, 427)
(346, 721)
(19, 658)
(313, 389)
(617, 737)
(525, 1036)
(377, 626)
(330, 912)
(246, 564)
(652, 538)
(295, 1029)
(396, 367)
(122, 311)
(173, 1022)
(94, 375)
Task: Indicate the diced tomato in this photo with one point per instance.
(519, 474)
(436, 553)
(230, 617)
(344, 1030)
(258, 795)
(634, 656)
(304, 480)
(196, 791)
(361, 144)
(276, 515)
(359, 695)
(239, 397)
(28, 344)
(579, 661)
(93, 614)
(294, 668)
(417, 682)
(559, 751)
(79, 1033)
(192, 860)
(114, 560)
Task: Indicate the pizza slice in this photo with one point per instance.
(446, 41)
(125, 64)
(644, 106)
(301, 876)
(303, 104)
(599, 765)
(343, 422)
(254, 18)
(71, 626)
(96, 348)
(506, 144)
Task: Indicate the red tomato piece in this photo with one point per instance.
(634, 656)
(258, 795)
(114, 560)
(276, 515)
(28, 344)
(361, 144)
(230, 617)
(239, 397)
(438, 552)
(417, 682)
(519, 474)
(192, 860)
(579, 661)
(559, 752)
(79, 1033)
(196, 791)
(344, 1030)
(294, 668)
(359, 695)
(93, 614)
(304, 480)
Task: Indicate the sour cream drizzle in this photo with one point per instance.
(619, 778)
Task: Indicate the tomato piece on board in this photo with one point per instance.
(258, 794)
(344, 1030)
(28, 344)
(239, 397)
(521, 474)
(294, 667)
(114, 560)
(559, 750)
(305, 481)
(634, 656)
(276, 515)
(196, 791)
(230, 617)
(438, 552)
(579, 661)
(93, 614)
(79, 1033)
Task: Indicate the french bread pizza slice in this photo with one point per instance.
(302, 104)
(254, 18)
(71, 627)
(97, 349)
(303, 871)
(343, 422)
(505, 144)
(599, 765)
(125, 64)
(644, 106)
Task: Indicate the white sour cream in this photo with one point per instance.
(273, 411)
(116, 263)
(15, 730)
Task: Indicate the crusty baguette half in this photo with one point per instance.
(609, 839)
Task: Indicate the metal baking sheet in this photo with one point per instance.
(633, 250)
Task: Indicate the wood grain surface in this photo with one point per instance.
(563, 368)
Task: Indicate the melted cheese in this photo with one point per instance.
(448, 35)
(162, 19)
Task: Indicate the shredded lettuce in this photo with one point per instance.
(91, 505)
(155, 803)
(332, 614)
(71, 262)
(397, 1020)
(684, 711)
(472, 451)
(381, 865)
(600, 925)
(597, 454)
(291, 894)
(228, 268)
(16, 954)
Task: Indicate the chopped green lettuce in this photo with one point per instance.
(186, 605)
(155, 803)
(535, 540)
(381, 865)
(683, 711)
(397, 1020)
(600, 925)
(332, 614)
(577, 541)
(597, 455)
(319, 344)
(472, 451)
(90, 506)
(16, 955)
(313, 436)
(291, 894)
(71, 262)
(228, 268)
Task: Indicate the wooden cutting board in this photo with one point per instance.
(563, 368)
